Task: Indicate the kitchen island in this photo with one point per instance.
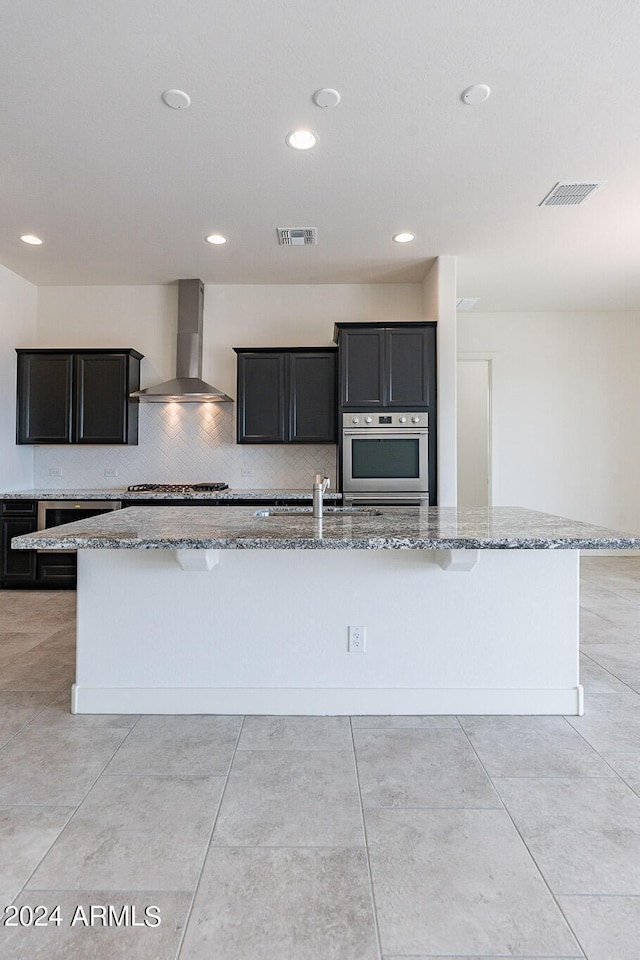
(198, 610)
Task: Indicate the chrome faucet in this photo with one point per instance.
(319, 487)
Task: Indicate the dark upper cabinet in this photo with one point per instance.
(312, 392)
(286, 395)
(77, 396)
(387, 365)
(45, 383)
(362, 381)
(261, 398)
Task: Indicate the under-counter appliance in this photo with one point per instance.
(385, 458)
(52, 513)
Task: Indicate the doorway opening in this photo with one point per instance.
(474, 431)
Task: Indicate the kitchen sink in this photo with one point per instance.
(327, 512)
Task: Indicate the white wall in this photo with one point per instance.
(566, 411)
(187, 441)
(439, 303)
(259, 315)
(18, 307)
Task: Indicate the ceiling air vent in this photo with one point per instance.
(297, 236)
(466, 303)
(570, 194)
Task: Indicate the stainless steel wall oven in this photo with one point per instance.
(385, 457)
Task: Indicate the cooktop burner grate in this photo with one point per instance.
(176, 487)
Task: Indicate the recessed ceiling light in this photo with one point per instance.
(29, 238)
(216, 238)
(301, 139)
(404, 237)
(477, 93)
(176, 99)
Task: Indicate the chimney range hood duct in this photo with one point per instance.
(188, 386)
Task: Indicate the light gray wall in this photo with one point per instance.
(190, 442)
(18, 307)
(566, 411)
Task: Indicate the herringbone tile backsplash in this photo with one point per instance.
(186, 442)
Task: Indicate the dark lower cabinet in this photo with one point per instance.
(77, 396)
(287, 395)
(28, 569)
(17, 517)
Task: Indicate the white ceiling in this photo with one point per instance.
(123, 190)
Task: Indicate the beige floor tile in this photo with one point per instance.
(17, 709)
(291, 798)
(611, 722)
(595, 629)
(177, 745)
(289, 903)
(532, 747)
(38, 669)
(135, 833)
(99, 941)
(420, 768)
(459, 882)
(433, 722)
(620, 659)
(622, 613)
(50, 765)
(595, 679)
(57, 716)
(295, 733)
(608, 928)
(583, 834)
(26, 833)
(15, 645)
(628, 769)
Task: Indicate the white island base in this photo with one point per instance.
(265, 632)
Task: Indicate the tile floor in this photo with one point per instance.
(321, 838)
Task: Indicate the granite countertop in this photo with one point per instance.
(120, 493)
(396, 528)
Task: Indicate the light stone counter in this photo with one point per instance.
(120, 493)
(396, 528)
(201, 610)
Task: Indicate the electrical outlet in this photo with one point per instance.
(111, 471)
(245, 472)
(55, 471)
(357, 639)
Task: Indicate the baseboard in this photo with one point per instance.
(319, 701)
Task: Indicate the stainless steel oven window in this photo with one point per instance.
(391, 468)
(385, 458)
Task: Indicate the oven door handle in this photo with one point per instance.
(394, 434)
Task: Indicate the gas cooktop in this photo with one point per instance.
(176, 487)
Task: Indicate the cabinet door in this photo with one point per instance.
(56, 570)
(362, 368)
(261, 398)
(102, 402)
(18, 566)
(44, 397)
(410, 365)
(312, 391)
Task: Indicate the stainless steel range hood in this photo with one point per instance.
(188, 385)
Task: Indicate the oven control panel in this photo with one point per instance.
(382, 420)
